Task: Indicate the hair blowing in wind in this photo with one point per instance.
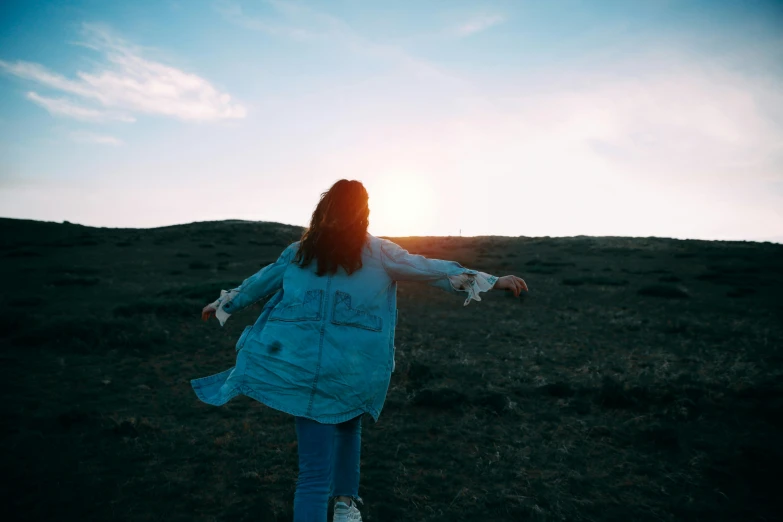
(338, 229)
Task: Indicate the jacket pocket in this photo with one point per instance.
(243, 337)
(308, 310)
(343, 313)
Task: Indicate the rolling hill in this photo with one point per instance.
(639, 379)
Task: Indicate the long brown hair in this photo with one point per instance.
(338, 229)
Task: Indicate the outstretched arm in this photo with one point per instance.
(449, 276)
(263, 283)
(403, 266)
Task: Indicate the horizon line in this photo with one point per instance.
(772, 240)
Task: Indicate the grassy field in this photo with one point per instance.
(640, 379)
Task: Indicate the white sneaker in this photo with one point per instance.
(345, 513)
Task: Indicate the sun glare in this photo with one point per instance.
(401, 204)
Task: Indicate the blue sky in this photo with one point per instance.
(650, 118)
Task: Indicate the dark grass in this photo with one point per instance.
(90, 335)
(70, 280)
(664, 291)
(540, 262)
(73, 270)
(594, 280)
(741, 292)
(542, 270)
(23, 253)
(203, 291)
(159, 307)
(25, 301)
(594, 402)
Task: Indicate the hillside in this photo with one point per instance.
(639, 379)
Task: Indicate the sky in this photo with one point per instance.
(518, 118)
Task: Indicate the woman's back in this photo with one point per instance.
(328, 343)
(323, 348)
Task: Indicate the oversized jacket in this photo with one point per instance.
(323, 346)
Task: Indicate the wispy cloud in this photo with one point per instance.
(99, 139)
(128, 82)
(64, 107)
(478, 24)
(300, 22)
(234, 13)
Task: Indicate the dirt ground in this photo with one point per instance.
(640, 379)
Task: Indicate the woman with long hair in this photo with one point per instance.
(322, 349)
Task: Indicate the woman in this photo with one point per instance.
(322, 349)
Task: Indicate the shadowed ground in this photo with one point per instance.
(640, 379)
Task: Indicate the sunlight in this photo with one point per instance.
(401, 204)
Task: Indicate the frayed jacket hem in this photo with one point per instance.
(211, 390)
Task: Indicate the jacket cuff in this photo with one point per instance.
(225, 298)
(473, 283)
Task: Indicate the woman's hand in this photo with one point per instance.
(207, 312)
(511, 282)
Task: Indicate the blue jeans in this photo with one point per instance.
(328, 466)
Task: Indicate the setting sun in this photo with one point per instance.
(402, 204)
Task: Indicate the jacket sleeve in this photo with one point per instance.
(403, 266)
(263, 283)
